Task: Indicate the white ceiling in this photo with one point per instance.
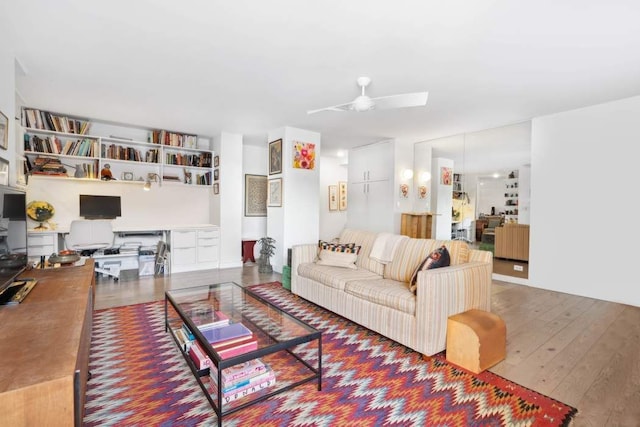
(248, 67)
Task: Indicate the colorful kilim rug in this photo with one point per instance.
(139, 378)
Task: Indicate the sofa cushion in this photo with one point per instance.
(436, 259)
(337, 258)
(335, 277)
(389, 293)
(410, 253)
(365, 240)
(338, 247)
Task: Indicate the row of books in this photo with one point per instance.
(38, 119)
(203, 179)
(198, 160)
(174, 139)
(118, 152)
(85, 147)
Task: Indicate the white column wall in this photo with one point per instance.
(583, 179)
(7, 103)
(442, 199)
(229, 147)
(297, 220)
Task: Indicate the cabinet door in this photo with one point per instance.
(357, 209)
(380, 162)
(380, 206)
(357, 171)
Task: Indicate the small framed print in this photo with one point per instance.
(274, 194)
(404, 191)
(216, 174)
(216, 188)
(333, 197)
(342, 195)
(4, 131)
(275, 157)
(216, 161)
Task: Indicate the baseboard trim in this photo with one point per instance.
(510, 279)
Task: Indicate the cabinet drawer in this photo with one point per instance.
(207, 253)
(183, 239)
(183, 256)
(208, 233)
(41, 250)
(207, 242)
(40, 239)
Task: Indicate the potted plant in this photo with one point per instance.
(267, 249)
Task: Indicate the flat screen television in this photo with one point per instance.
(99, 207)
(13, 234)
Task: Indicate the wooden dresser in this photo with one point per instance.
(44, 349)
(416, 225)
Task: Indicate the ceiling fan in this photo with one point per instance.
(365, 103)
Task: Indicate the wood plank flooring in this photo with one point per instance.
(580, 351)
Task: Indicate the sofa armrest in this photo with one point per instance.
(301, 254)
(442, 292)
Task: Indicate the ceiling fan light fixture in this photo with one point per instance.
(363, 103)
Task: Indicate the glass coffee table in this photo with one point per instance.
(241, 348)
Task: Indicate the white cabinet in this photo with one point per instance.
(41, 244)
(83, 156)
(194, 249)
(371, 195)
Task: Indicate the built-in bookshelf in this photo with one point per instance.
(61, 146)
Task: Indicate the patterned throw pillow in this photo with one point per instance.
(436, 259)
(337, 255)
(339, 247)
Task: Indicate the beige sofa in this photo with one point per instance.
(377, 295)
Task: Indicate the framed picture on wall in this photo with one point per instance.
(216, 161)
(342, 195)
(275, 157)
(255, 195)
(4, 131)
(216, 188)
(274, 192)
(333, 197)
(216, 174)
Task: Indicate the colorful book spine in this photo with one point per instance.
(199, 357)
(241, 385)
(249, 390)
(243, 371)
(238, 349)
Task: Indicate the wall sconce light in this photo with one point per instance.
(151, 177)
(407, 174)
(425, 176)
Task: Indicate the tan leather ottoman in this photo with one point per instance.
(476, 340)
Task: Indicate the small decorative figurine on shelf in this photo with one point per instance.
(105, 173)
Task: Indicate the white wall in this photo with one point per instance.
(7, 103)
(332, 171)
(229, 147)
(442, 201)
(254, 160)
(167, 205)
(297, 220)
(583, 180)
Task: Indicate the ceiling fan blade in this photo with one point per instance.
(416, 99)
(339, 107)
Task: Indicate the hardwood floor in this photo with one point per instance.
(580, 351)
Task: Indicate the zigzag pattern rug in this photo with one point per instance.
(139, 378)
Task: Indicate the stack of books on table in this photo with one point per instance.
(241, 380)
(231, 340)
